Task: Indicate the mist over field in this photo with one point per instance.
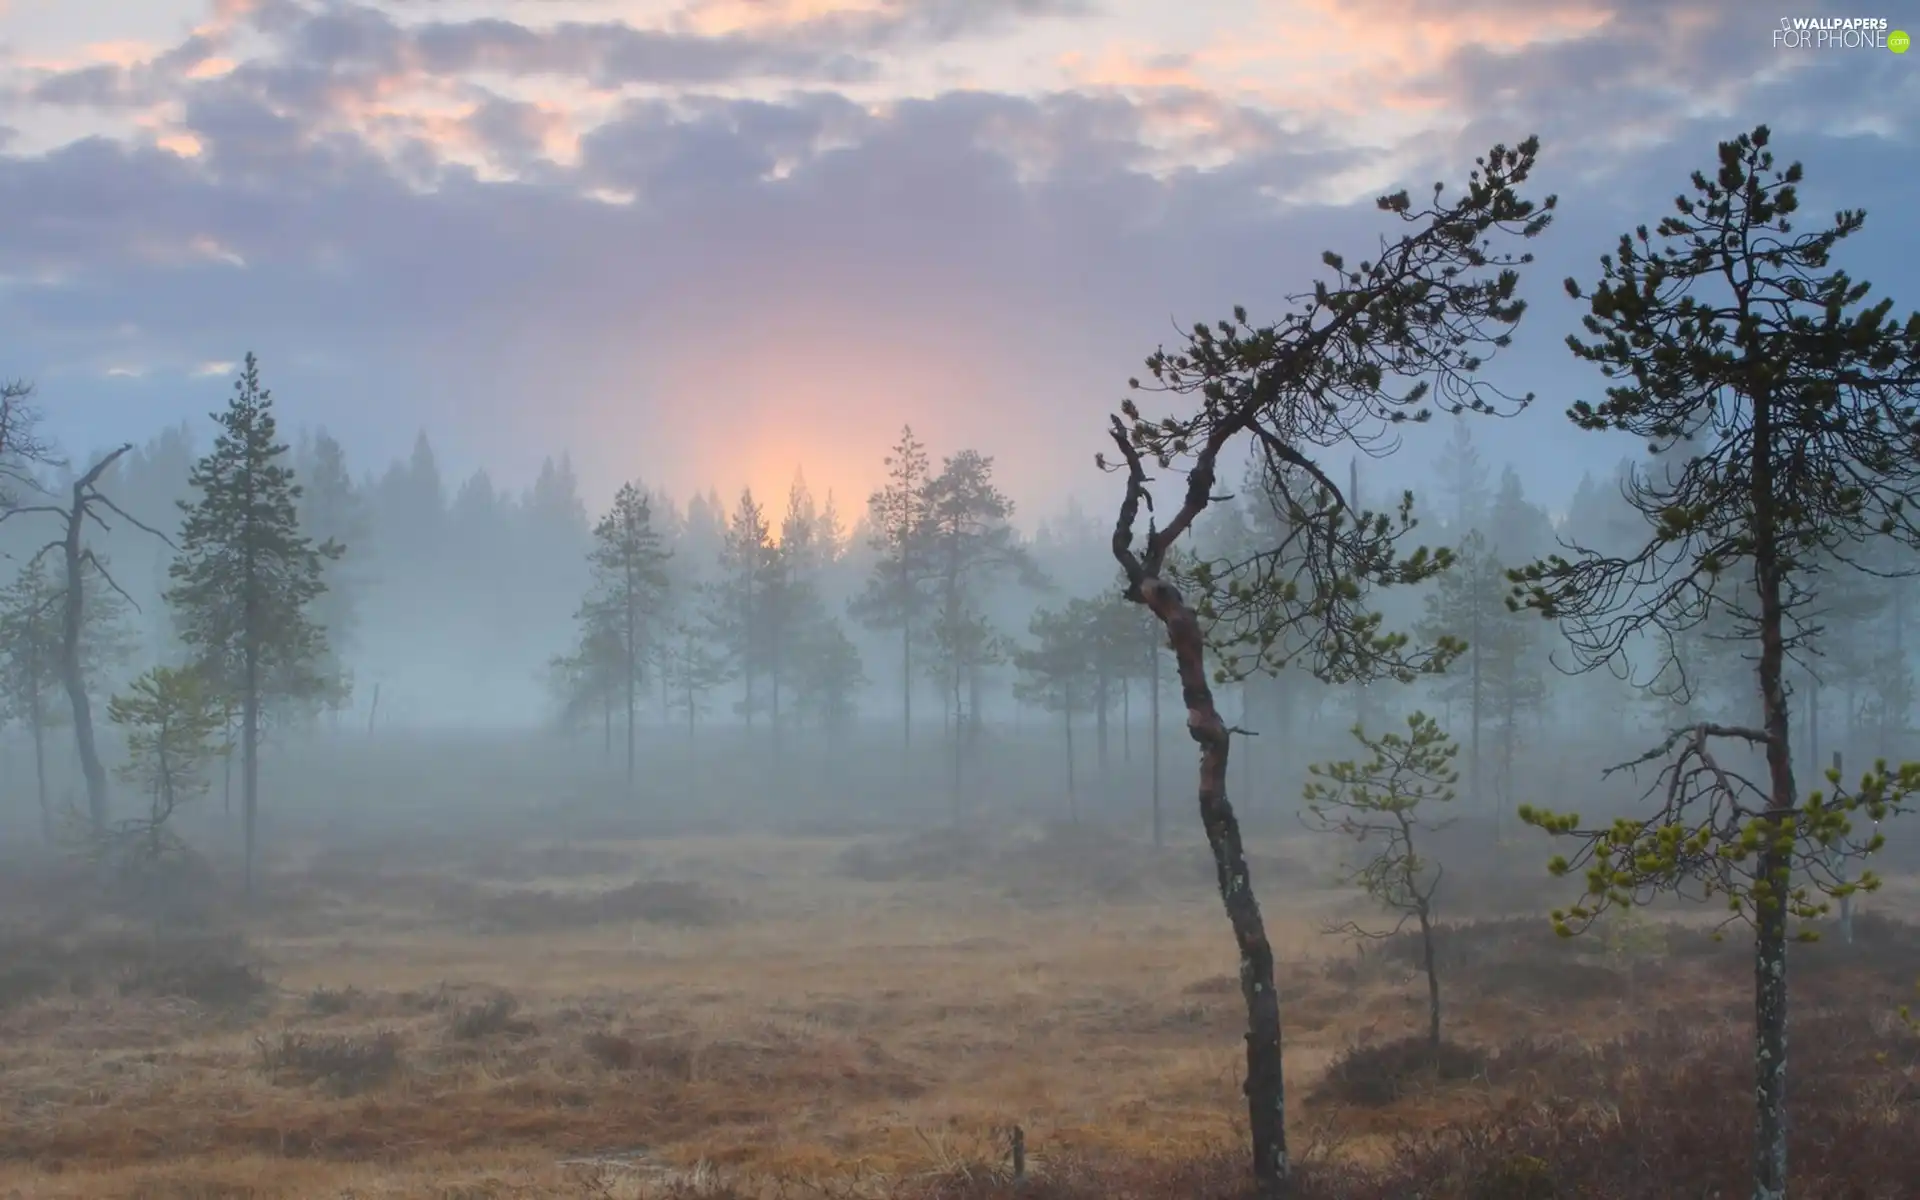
(903, 600)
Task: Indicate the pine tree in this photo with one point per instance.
(333, 510)
(969, 543)
(1464, 480)
(1780, 409)
(22, 448)
(246, 576)
(1352, 362)
(172, 719)
(791, 608)
(586, 682)
(738, 613)
(1378, 801)
(30, 644)
(629, 587)
(1054, 673)
(690, 668)
(896, 595)
(32, 649)
(829, 676)
(86, 584)
(1112, 642)
(1469, 602)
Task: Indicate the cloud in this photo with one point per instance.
(874, 23)
(546, 225)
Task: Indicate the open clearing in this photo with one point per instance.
(836, 1017)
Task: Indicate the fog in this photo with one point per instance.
(637, 685)
(644, 850)
(456, 604)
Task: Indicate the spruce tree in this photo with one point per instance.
(246, 576)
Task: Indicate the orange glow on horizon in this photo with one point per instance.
(821, 387)
(772, 472)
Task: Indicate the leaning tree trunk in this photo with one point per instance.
(1265, 1086)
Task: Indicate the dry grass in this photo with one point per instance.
(729, 1017)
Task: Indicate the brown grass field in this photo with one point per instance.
(731, 1017)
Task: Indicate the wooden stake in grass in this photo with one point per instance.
(1429, 310)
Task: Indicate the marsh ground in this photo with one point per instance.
(848, 1018)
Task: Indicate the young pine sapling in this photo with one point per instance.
(174, 724)
(1379, 803)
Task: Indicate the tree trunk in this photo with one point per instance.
(1773, 865)
(1433, 976)
(691, 710)
(959, 739)
(1813, 719)
(1126, 720)
(975, 693)
(748, 652)
(1840, 873)
(1153, 693)
(772, 690)
(1479, 793)
(1265, 1086)
(1073, 789)
(633, 688)
(226, 771)
(1102, 700)
(1893, 721)
(1246, 759)
(906, 684)
(70, 671)
(1506, 769)
(250, 762)
(37, 721)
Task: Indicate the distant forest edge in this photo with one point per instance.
(471, 605)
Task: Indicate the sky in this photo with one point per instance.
(703, 243)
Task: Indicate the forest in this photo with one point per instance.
(278, 720)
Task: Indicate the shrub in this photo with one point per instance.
(1378, 1075)
(344, 1065)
